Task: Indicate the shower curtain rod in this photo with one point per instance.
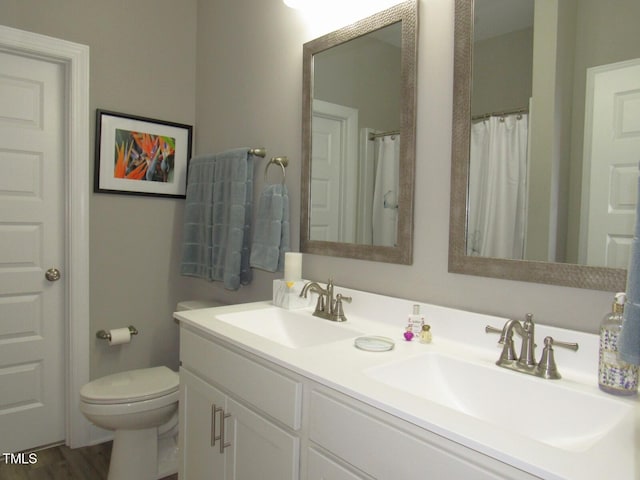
(373, 136)
(500, 114)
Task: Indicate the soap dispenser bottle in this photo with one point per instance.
(615, 375)
(416, 321)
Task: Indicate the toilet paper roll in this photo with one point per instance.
(119, 336)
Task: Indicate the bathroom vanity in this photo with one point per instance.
(273, 393)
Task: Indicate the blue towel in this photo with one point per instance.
(271, 236)
(217, 218)
(629, 340)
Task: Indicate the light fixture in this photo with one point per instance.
(322, 16)
(297, 4)
(369, 5)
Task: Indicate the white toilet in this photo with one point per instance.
(141, 406)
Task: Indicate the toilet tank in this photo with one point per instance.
(195, 304)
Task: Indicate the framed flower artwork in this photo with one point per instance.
(141, 156)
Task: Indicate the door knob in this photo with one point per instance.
(53, 274)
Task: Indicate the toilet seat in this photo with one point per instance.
(132, 386)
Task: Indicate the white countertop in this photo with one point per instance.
(341, 366)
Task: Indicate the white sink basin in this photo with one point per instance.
(547, 411)
(291, 328)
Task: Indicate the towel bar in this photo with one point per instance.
(282, 161)
(258, 152)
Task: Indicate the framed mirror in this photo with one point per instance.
(575, 159)
(358, 138)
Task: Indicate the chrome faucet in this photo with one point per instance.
(526, 362)
(327, 306)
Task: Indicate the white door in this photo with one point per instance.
(333, 172)
(32, 327)
(612, 151)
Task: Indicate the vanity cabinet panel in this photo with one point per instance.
(339, 437)
(322, 467)
(247, 379)
(259, 449)
(198, 458)
(386, 447)
(253, 447)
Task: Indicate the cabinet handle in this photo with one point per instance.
(223, 444)
(213, 424)
(215, 411)
(223, 416)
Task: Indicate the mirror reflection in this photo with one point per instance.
(358, 138)
(355, 146)
(555, 131)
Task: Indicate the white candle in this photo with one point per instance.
(292, 266)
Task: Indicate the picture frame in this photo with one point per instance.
(136, 155)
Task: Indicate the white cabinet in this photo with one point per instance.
(259, 449)
(379, 445)
(221, 436)
(200, 457)
(320, 466)
(232, 397)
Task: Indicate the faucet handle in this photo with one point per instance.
(490, 329)
(570, 345)
(342, 298)
(339, 311)
(547, 366)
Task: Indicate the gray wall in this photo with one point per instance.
(502, 72)
(266, 101)
(243, 60)
(143, 61)
(363, 74)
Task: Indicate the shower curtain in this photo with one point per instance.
(385, 193)
(497, 187)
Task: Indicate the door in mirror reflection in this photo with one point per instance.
(334, 154)
(355, 143)
(612, 148)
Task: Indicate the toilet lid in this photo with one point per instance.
(131, 386)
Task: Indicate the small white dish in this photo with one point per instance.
(374, 344)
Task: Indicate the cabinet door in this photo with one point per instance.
(321, 467)
(199, 459)
(259, 449)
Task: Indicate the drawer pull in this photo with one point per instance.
(223, 416)
(223, 443)
(213, 424)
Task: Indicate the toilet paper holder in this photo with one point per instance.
(104, 335)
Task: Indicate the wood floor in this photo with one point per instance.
(58, 463)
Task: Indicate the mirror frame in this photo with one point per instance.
(565, 274)
(402, 253)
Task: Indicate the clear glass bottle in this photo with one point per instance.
(425, 334)
(416, 321)
(615, 375)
